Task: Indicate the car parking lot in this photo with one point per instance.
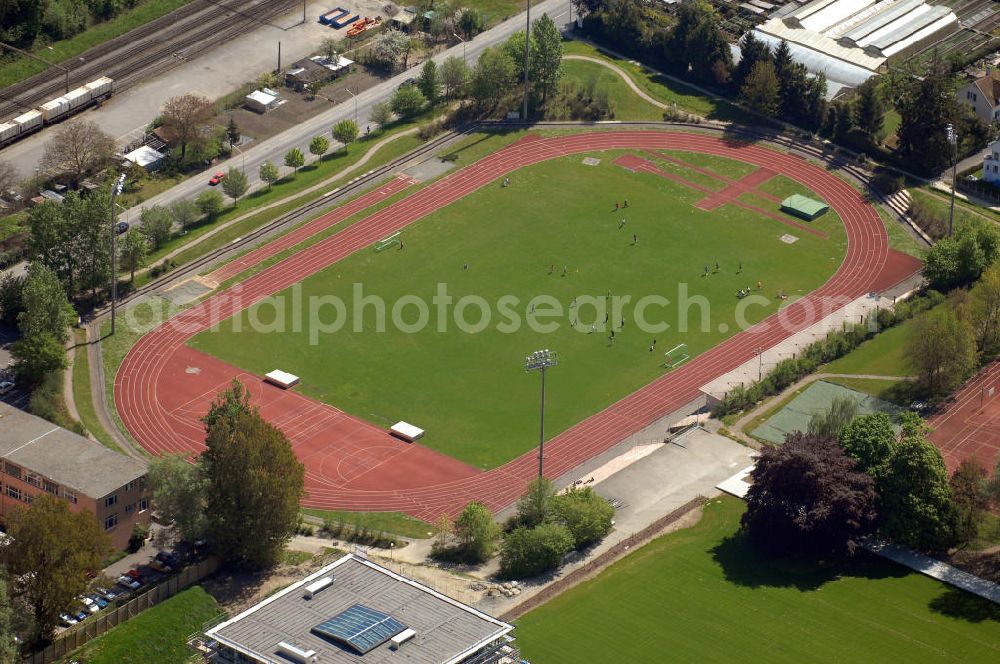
(10, 392)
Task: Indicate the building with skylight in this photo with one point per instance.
(354, 610)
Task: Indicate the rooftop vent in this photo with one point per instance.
(296, 653)
(401, 638)
(317, 586)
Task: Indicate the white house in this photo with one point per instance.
(983, 95)
(991, 163)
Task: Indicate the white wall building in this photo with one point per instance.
(983, 95)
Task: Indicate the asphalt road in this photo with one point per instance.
(275, 147)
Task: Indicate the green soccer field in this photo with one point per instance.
(469, 390)
(702, 595)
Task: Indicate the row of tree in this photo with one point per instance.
(544, 529)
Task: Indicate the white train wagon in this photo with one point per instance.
(28, 121)
(54, 110)
(8, 131)
(79, 97)
(101, 88)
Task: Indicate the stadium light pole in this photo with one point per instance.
(541, 360)
(953, 141)
(116, 190)
(760, 363)
(527, 42)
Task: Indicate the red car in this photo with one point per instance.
(217, 178)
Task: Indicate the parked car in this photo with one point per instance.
(89, 604)
(121, 227)
(66, 620)
(135, 574)
(80, 616)
(108, 594)
(165, 562)
(128, 582)
(217, 178)
(6, 386)
(98, 600)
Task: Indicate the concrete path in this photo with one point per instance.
(936, 569)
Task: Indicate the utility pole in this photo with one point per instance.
(760, 363)
(278, 70)
(527, 48)
(953, 140)
(42, 60)
(116, 189)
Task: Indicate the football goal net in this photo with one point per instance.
(676, 356)
(387, 242)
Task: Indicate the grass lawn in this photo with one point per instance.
(664, 89)
(157, 635)
(499, 233)
(83, 396)
(964, 211)
(881, 355)
(702, 595)
(393, 523)
(895, 391)
(989, 533)
(626, 104)
(900, 238)
(727, 168)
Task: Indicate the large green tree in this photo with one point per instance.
(454, 76)
(132, 250)
(9, 648)
(36, 356)
(492, 78)
(255, 483)
(942, 348)
(869, 440)
(696, 44)
(530, 551)
(157, 224)
(961, 259)
(346, 132)
(535, 506)
(235, 184)
(46, 309)
(178, 488)
(969, 491)
(761, 92)
(587, 515)
(546, 55)
(982, 309)
(477, 532)
(925, 106)
(407, 101)
(808, 496)
(429, 81)
(871, 108)
(268, 173)
(50, 553)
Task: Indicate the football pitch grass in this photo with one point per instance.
(469, 390)
(703, 595)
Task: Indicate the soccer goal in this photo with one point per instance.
(676, 356)
(385, 243)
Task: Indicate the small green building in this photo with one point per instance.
(804, 207)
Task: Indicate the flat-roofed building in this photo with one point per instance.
(356, 611)
(40, 457)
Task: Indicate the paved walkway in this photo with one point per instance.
(936, 569)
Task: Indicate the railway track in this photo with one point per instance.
(149, 49)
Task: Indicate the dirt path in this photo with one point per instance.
(737, 428)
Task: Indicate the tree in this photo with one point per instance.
(925, 106)
(381, 114)
(235, 184)
(942, 350)
(295, 159)
(407, 101)
(752, 51)
(969, 490)
(268, 173)
(46, 309)
(185, 212)
(982, 309)
(389, 47)
(319, 145)
(871, 108)
(329, 46)
(132, 251)
(345, 131)
(869, 440)
(11, 297)
(156, 224)
(535, 506)
(492, 77)
(546, 55)
(210, 202)
(36, 356)
(471, 22)
(917, 507)
(587, 515)
(255, 483)
(454, 76)
(807, 496)
(829, 424)
(477, 532)
(761, 93)
(429, 82)
(695, 44)
(9, 650)
(49, 556)
(232, 132)
(186, 120)
(529, 551)
(960, 259)
(78, 149)
(178, 489)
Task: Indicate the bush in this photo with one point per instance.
(530, 551)
(138, 537)
(886, 182)
(586, 515)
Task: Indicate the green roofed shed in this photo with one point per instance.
(804, 207)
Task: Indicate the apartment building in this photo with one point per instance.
(38, 457)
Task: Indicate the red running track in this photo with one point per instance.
(163, 387)
(969, 425)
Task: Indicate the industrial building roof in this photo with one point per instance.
(62, 456)
(445, 630)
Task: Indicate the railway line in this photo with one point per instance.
(147, 50)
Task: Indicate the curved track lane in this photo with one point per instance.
(163, 386)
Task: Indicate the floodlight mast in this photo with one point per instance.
(540, 360)
(116, 190)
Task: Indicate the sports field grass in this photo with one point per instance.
(702, 595)
(468, 390)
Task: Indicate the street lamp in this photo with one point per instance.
(540, 360)
(527, 41)
(355, 104)
(116, 190)
(953, 140)
(455, 35)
